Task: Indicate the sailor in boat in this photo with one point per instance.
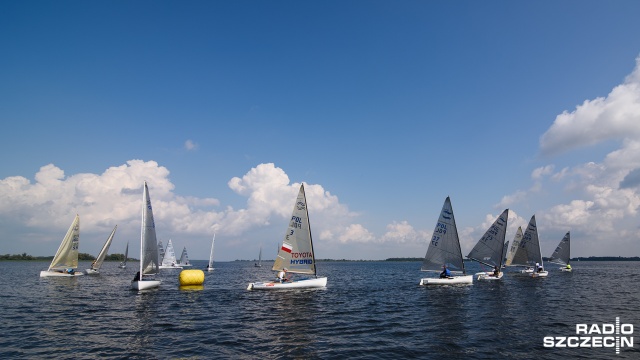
(137, 277)
(496, 271)
(539, 267)
(568, 267)
(282, 275)
(446, 273)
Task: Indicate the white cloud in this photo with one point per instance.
(190, 145)
(614, 117)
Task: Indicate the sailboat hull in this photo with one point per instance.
(465, 279)
(46, 273)
(91, 272)
(122, 266)
(565, 269)
(300, 284)
(169, 267)
(488, 276)
(145, 284)
(540, 274)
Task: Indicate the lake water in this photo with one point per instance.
(369, 310)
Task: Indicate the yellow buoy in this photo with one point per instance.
(191, 277)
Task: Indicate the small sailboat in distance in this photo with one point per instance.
(444, 251)
(65, 262)
(97, 263)
(149, 263)
(169, 259)
(489, 250)
(259, 263)
(296, 254)
(514, 246)
(561, 255)
(210, 265)
(184, 258)
(123, 265)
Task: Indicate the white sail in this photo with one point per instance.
(160, 251)
(149, 263)
(67, 255)
(489, 250)
(97, 263)
(296, 252)
(259, 263)
(126, 256)
(210, 265)
(444, 248)
(562, 253)
(184, 258)
(514, 246)
(169, 259)
(528, 252)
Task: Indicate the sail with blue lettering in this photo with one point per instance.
(444, 248)
(296, 252)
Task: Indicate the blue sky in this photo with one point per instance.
(382, 108)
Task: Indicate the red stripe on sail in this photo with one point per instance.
(288, 248)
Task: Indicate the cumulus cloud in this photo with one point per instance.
(613, 117)
(113, 197)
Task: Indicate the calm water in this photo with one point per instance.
(368, 310)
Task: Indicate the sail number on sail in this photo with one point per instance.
(440, 229)
(296, 222)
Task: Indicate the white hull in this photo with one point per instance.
(47, 273)
(300, 284)
(209, 269)
(465, 279)
(540, 274)
(170, 267)
(185, 265)
(91, 272)
(122, 266)
(565, 269)
(526, 272)
(488, 276)
(145, 284)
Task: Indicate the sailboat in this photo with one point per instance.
(123, 265)
(444, 250)
(169, 259)
(184, 258)
(65, 262)
(259, 263)
(149, 263)
(489, 250)
(160, 251)
(97, 263)
(514, 246)
(561, 255)
(528, 252)
(210, 265)
(296, 253)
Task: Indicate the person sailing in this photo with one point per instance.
(568, 267)
(446, 273)
(496, 271)
(282, 275)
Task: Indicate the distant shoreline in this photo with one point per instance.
(120, 257)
